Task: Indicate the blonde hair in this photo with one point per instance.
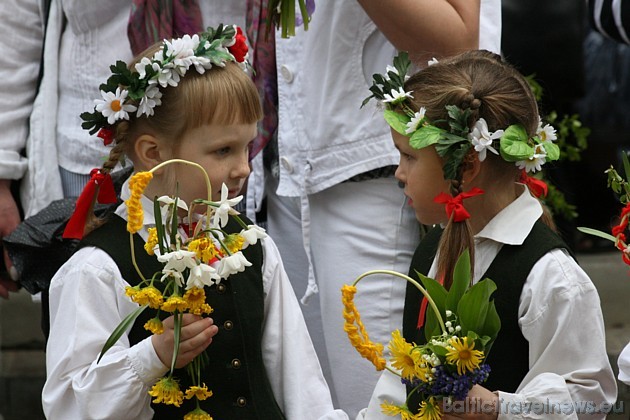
(221, 95)
(491, 89)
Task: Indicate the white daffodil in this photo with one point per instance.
(534, 163)
(178, 260)
(415, 120)
(482, 139)
(202, 275)
(151, 99)
(113, 106)
(252, 234)
(173, 274)
(166, 209)
(432, 61)
(232, 264)
(225, 205)
(397, 96)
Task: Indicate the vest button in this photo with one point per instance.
(221, 288)
(228, 325)
(236, 364)
(241, 401)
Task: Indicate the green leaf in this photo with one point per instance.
(598, 233)
(426, 136)
(461, 281)
(473, 306)
(626, 165)
(120, 330)
(454, 161)
(513, 144)
(438, 294)
(553, 151)
(177, 329)
(491, 327)
(396, 120)
(159, 226)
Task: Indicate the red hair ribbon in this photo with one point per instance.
(535, 185)
(455, 205)
(106, 195)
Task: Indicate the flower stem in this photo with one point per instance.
(196, 165)
(416, 285)
(133, 258)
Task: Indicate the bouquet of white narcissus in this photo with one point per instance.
(204, 256)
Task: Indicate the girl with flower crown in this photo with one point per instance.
(468, 132)
(186, 101)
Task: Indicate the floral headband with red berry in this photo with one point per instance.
(127, 92)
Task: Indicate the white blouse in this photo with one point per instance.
(559, 315)
(87, 301)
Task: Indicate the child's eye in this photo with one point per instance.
(406, 156)
(222, 151)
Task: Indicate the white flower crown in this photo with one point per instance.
(126, 91)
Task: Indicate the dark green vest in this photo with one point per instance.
(509, 358)
(235, 372)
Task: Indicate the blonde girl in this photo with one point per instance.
(188, 99)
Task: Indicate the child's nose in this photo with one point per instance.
(242, 169)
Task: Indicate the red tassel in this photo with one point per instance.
(106, 195)
(423, 307)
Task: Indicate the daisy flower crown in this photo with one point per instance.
(454, 143)
(126, 92)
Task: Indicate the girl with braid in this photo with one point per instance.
(469, 132)
(187, 98)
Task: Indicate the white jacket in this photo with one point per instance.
(324, 137)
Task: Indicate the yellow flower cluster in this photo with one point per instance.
(145, 296)
(463, 353)
(198, 414)
(199, 392)
(154, 325)
(407, 359)
(167, 391)
(429, 410)
(234, 242)
(196, 300)
(152, 241)
(205, 249)
(356, 330)
(137, 183)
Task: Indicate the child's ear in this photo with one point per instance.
(470, 168)
(149, 151)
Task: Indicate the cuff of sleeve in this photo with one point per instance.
(12, 165)
(146, 363)
(506, 402)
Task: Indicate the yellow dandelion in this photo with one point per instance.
(175, 303)
(199, 392)
(403, 356)
(154, 325)
(197, 414)
(196, 301)
(356, 333)
(234, 242)
(395, 410)
(167, 391)
(151, 242)
(463, 354)
(148, 296)
(135, 215)
(429, 410)
(204, 248)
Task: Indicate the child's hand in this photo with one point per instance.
(195, 336)
(481, 404)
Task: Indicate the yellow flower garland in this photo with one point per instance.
(137, 183)
(356, 333)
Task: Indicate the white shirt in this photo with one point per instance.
(87, 301)
(559, 315)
